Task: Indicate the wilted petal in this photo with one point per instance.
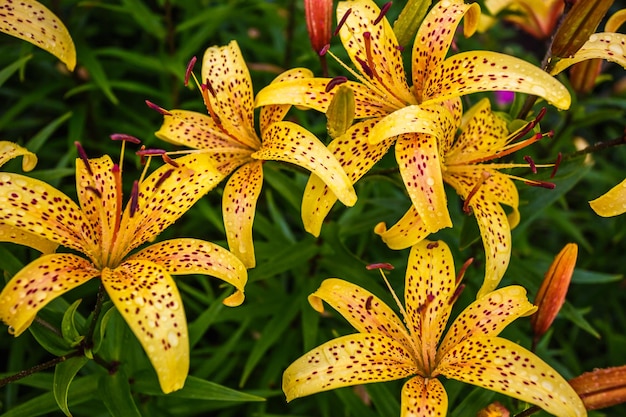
(38, 283)
(488, 316)
(33, 22)
(10, 150)
(424, 398)
(609, 46)
(289, 142)
(503, 366)
(408, 231)
(194, 256)
(363, 310)
(476, 71)
(612, 203)
(148, 300)
(238, 207)
(163, 197)
(429, 286)
(356, 156)
(18, 236)
(349, 360)
(37, 208)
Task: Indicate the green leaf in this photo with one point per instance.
(195, 388)
(7, 71)
(115, 393)
(64, 374)
(575, 315)
(68, 326)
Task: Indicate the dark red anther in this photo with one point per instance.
(324, 49)
(83, 155)
(150, 152)
(170, 161)
(335, 82)
(368, 302)
(457, 293)
(432, 245)
(382, 265)
(383, 12)
(157, 108)
(366, 69)
(134, 198)
(542, 184)
(557, 163)
(530, 161)
(125, 138)
(190, 66)
(163, 177)
(342, 21)
(94, 190)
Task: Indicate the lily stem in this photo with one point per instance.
(38, 368)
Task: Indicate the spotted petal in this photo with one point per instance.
(349, 360)
(363, 310)
(10, 150)
(609, 46)
(429, 285)
(407, 231)
(34, 207)
(238, 207)
(356, 156)
(38, 283)
(612, 203)
(163, 197)
(289, 142)
(488, 316)
(31, 21)
(424, 398)
(193, 256)
(503, 366)
(148, 300)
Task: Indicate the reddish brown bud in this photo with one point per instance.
(551, 294)
(318, 15)
(601, 388)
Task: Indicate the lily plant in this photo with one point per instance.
(388, 347)
(101, 234)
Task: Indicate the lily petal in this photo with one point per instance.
(429, 285)
(408, 231)
(612, 203)
(424, 398)
(356, 156)
(503, 366)
(362, 309)
(194, 256)
(488, 316)
(38, 283)
(289, 142)
(33, 22)
(231, 92)
(148, 300)
(163, 197)
(476, 71)
(18, 236)
(37, 208)
(606, 45)
(238, 207)
(345, 361)
(10, 150)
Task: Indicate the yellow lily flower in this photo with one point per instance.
(33, 22)
(141, 285)
(387, 349)
(383, 96)
(484, 137)
(612, 203)
(229, 136)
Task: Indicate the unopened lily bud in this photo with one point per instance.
(318, 15)
(551, 294)
(494, 409)
(340, 113)
(580, 23)
(601, 388)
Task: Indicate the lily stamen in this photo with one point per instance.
(466, 208)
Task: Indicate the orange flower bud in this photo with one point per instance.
(318, 15)
(551, 294)
(601, 388)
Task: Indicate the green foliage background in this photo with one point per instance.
(130, 51)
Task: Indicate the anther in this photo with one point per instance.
(134, 198)
(466, 207)
(530, 161)
(163, 177)
(157, 108)
(342, 21)
(383, 12)
(335, 82)
(324, 49)
(382, 265)
(124, 137)
(557, 163)
(83, 155)
(190, 66)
